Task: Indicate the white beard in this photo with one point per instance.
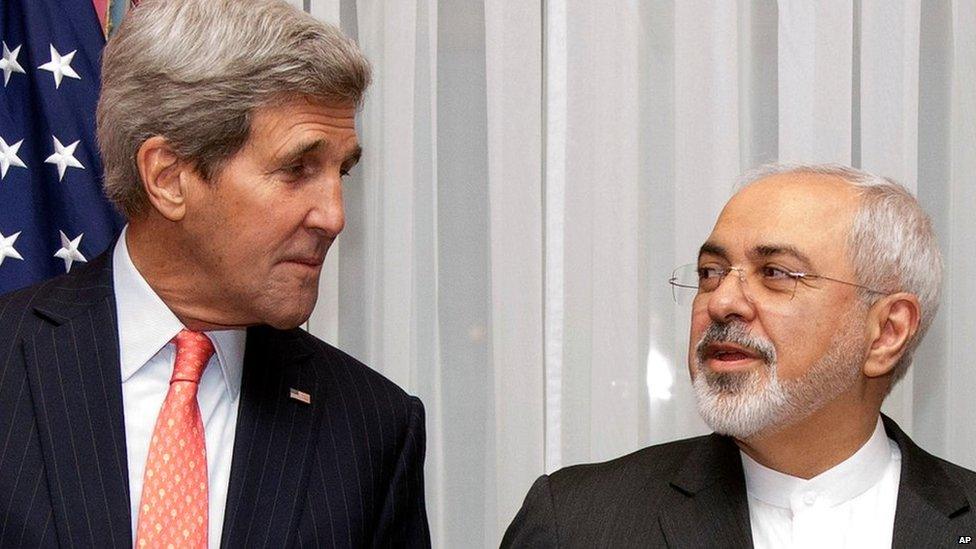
(758, 403)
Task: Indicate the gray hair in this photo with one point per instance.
(891, 244)
(194, 71)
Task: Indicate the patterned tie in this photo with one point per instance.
(173, 510)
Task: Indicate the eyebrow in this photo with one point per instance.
(301, 150)
(712, 248)
(353, 158)
(771, 250)
(761, 251)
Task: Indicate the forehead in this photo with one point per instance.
(810, 212)
(281, 125)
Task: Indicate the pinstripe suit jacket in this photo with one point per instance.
(345, 470)
(692, 493)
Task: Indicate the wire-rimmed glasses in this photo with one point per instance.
(762, 282)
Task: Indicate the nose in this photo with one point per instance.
(731, 300)
(326, 215)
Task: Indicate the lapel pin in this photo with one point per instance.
(299, 395)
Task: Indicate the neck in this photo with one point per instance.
(818, 442)
(168, 266)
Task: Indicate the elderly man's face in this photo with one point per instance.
(762, 357)
(274, 210)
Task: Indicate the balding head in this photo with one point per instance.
(891, 243)
(814, 287)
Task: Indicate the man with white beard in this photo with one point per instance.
(807, 301)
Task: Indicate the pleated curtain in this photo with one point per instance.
(533, 171)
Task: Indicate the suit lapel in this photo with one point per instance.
(928, 500)
(709, 505)
(274, 441)
(714, 509)
(73, 370)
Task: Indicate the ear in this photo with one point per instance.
(892, 324)
(164, 177)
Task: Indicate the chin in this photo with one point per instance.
(287, 323)
(291, 315)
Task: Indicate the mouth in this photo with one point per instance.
(728, 357)
(307, 262)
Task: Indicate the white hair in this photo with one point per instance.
(891, 244)
(757, 403)
(194, 71)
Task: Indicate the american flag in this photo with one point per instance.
(53, 214)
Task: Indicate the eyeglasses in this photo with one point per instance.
(765, 283)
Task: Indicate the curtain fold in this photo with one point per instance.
(888, 120)
(513, 65)
(960, 412)
(816, 75)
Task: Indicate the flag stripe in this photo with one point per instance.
(101, 8)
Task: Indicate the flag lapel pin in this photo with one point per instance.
(299, 395)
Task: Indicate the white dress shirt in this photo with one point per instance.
(850, 505)
(146, 327)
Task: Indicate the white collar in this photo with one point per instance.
(842, 482)
(146, 324)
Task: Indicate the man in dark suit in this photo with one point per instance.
(808, 298)
(162, 395)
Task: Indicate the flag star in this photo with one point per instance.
(60, 66)
(8, 157)
(9, 63)
(7, 247)
(69, 251)
(64, 157)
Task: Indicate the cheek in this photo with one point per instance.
(700, 320)
(699, 323)
(800, 337)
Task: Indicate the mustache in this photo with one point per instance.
(738, 334)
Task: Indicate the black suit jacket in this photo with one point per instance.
(692, 493)
(345, 470)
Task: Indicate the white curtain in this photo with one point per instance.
(534, 171)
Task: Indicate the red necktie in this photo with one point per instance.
(173, 510)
